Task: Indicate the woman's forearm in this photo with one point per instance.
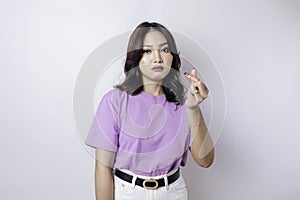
(202, 145)
(104, 185)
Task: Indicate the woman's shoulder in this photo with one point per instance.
(114, 95)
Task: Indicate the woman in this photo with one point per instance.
(144, 127)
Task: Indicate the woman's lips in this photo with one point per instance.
(157, 68)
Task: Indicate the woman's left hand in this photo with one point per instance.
(197, 92)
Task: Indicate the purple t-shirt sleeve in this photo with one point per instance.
(104, 132)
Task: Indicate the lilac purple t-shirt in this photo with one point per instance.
(148, 135)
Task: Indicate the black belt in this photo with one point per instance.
(147, 183)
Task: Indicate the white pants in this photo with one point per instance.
(129, 191)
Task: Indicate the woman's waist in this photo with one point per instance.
(144, 175)
(149, 167)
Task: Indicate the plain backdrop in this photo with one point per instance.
(255, 45)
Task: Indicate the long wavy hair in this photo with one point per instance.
(133, 83)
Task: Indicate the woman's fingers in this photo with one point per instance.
(201, 88)
(192, 75)
(198, 88)
(198, 97)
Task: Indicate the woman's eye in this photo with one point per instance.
(166, 50)
(146, 51)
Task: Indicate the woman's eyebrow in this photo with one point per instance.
(162, 44)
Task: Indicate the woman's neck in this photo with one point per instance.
(154, 89)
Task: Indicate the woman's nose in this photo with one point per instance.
(157, 57)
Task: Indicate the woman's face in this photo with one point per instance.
(156, 61)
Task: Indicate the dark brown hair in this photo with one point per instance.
(133, 83)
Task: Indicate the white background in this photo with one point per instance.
(255, 45)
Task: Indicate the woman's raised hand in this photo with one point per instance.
(197, 91)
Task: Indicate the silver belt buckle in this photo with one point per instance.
(150, 181)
